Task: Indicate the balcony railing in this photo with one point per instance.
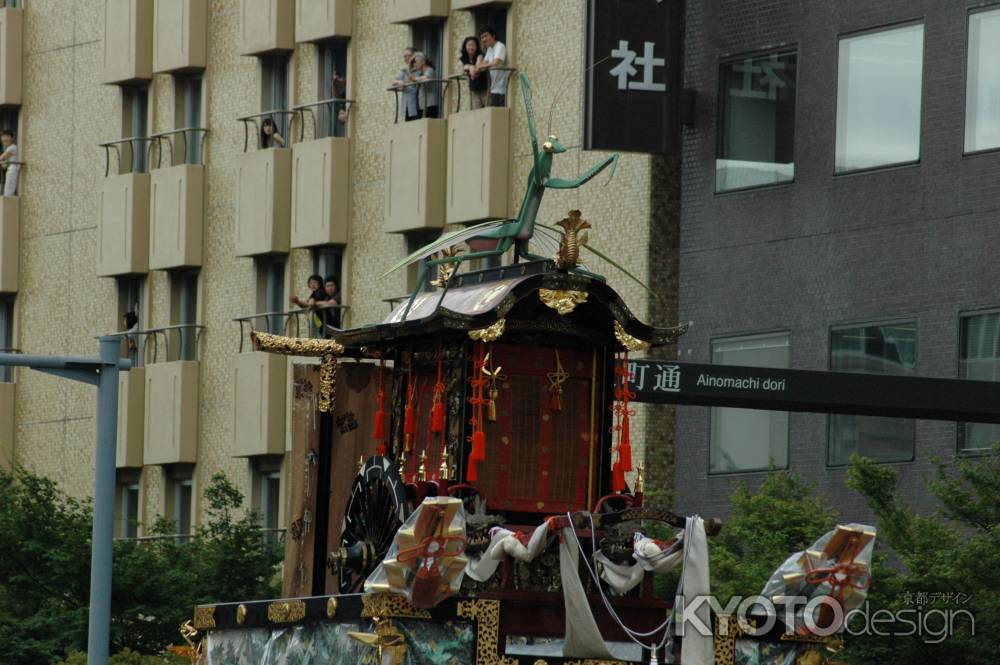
(329, 111)
(189, 136)
(282, 120)
(288, 323)
(186, 336)
(6, 371)
(440, 89)
(459, 78)
(138, 150)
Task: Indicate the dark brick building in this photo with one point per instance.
(840, 195)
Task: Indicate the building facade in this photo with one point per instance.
(839, 209)
(148, 189)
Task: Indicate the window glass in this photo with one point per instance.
(187, 115)
(756, 122)
(873, 349)
(267, 493)
(271, 292)
(128, 498)
(748, 439)
(6, 335)
(274, 89)
(135, 125)
(878, 98)
(184, 311)
(980, 361)
(179, 496)
(332, 85)
(982, 93)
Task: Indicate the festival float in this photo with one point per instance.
(459, 487)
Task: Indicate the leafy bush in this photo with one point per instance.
(45, 572)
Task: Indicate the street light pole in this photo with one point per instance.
(103, 373)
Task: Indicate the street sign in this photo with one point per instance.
(634, 75)
(668, 382)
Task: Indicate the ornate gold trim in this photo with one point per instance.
(327, 349)
(331, 608)
(390, 606)
(204, 617)
(595, 662)
(241, 614)
(563, 302)
(491, 333)
(286, 611)
(486, 614)
(628, 342)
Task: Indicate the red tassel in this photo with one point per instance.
(625, 448)
(381, 450)
(380, 424)
(471, 471)
(555, 401)
(437, 418)
(478, 447)
(617, 478)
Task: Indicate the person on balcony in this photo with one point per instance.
(269, 135)
(316, 295)
(338, 90)
(130, 321)
(471, 57)
(8, 162)
(495, 59)
(408, 104)
(329, 307)
(423, 73)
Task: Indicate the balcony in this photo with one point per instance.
(177, 192)
(321, 173)
(123, 218)
(11, 51)
(10, 235)
(260, 386)
(6, 425)
(128, 41)
(411, 11)
(180, 42)
(478, 165)
(263, 194)
(131, 421)
(317, 20)
(266, 26)
(416, 169)
(171, 397)
(457, 5)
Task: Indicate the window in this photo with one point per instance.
(982, 91)
(135, 125)
(184, 311)
(6, 335)
(128, 503)
(332, 85)
(274, 88)
(494, 15)
(267, 493)
(187, 115)
(329, 262)
(179, 493)
(415, 241)
(980, 361)
(756, 144)
(873, 349)
(271, 292)
(427, 37)
(9, 120)
(878, 98)
(748, 439)
(11, 4)
(131, 305)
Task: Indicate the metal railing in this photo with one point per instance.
(7, 372)
(167, 137)
(132, 142)
(458, 78)
(332, 107)
(441, 93)
(288, 322)
(187, 335)
(278, 532)
(256, 119)
(3, 174)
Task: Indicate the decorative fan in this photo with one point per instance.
(375, 510)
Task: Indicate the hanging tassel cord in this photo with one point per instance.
(478, 381)
(381, 448)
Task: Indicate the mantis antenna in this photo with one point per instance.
(562, 91)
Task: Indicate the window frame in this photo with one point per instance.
(323, 115)
(780, 49)
(920, 20)
(962, 314)
(266, 68)
(184, 84)
(8, 332)
(914, 319)
(265, 299)
(187, 339)
(176, 477)
(126, 481)
(970, 12)
(264, 468)
(137, 163)
(788, 442)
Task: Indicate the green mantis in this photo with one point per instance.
(507, 233)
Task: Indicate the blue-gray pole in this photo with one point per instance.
(102, 552)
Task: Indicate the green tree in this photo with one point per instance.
(45, 571)
(955, 550)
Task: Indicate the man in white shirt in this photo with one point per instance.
(496, 57)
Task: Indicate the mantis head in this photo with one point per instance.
(553, 146)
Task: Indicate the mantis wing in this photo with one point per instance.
(446, 241)
(560, 183)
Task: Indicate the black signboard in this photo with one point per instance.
(668, 382)
(634, 75)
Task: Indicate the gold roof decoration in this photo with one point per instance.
(568, 256)
(491, 333)
(563, 302)
(628, 342)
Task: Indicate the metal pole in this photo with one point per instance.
(102, 540)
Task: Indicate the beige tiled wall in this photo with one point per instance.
(62, 305)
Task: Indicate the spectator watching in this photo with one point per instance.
(496, 57)
(269, 135)
(471, 56)
(409, 106)
(11, 170)
(423, 73)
